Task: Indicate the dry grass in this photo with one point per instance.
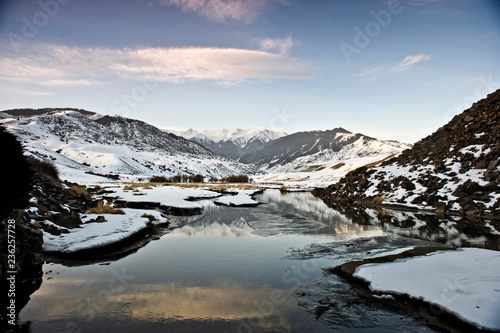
(378, 200)
(136, 187)
(79, 190)
(337, 166)
(369, 165)
(151, 218)
(283, 188)
(103, 208)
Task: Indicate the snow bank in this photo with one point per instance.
(95, 234)
(465, 282)
(171, 196)
(243, 198)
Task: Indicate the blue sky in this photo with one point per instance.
(389, 69)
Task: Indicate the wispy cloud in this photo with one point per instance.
(405, 65)
(52, 65)
(409, 62)
(281, 45)
(226, 10)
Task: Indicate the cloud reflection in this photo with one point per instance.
(221, 301)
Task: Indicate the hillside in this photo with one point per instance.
(454, 169)
(307, 151)
(80, 143)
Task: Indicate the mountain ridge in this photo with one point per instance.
(230, 143)
(83, 143)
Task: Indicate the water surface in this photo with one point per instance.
(256, 269)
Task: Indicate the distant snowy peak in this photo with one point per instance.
(240, 137)
(231, 143)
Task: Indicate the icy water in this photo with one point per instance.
(254, 269)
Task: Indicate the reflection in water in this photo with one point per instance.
(236, 228)
(451, 230)
(174, 301)
(278, 215)
(236, 269)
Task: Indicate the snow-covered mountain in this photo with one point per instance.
(318, 158)
(307, 151)
(230, 143)
(79, 141)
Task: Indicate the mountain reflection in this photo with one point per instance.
(452, 230)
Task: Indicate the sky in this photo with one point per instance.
(389, 69)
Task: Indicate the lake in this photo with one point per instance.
(254, 269)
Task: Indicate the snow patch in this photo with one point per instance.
(465, 282)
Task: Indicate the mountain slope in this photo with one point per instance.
(88, 142)
(457, 168)
(298, 151)
(230, 143)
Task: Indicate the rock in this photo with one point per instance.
(469, 207)
(69, 221)
(42, 209)
(100, 219)
(440, 208)
(468, 119)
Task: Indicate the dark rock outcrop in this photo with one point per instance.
(20, 241)
(456, 169)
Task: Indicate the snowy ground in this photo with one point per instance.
(98, 234)
(324, 174)
(465, 282)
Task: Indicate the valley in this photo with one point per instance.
(109, 190)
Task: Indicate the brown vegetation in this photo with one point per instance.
(103, 208)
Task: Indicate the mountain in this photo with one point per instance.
(456, 169)
(81, 142)
(230, 143)
(308, 151)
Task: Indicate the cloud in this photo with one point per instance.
(405, 65)
(53, 65)
(282, 45)
(409, 62)
(226, 10)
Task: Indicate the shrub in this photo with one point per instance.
(198, 178)
(158, 179)
(44, 168)
(235, 179)
(103, 208)
(150, 217)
